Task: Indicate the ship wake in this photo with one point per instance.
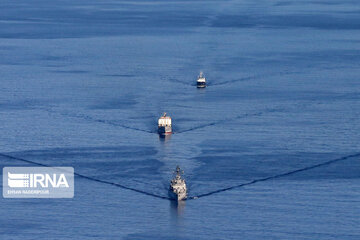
(200, 195)
(277, 176)
(219, 122)
(232, 81)
(108, 122)
(89, 178)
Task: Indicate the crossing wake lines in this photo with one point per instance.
(201, 195)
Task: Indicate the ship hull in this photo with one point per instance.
(165, 130)
(201, 84)
(177, 197)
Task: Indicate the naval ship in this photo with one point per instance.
(201, 82)
(178, 189)
(164, 125)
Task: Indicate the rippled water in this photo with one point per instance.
(270, 148)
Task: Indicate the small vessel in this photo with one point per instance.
(164, 125)
(178, 189)
(201, 81)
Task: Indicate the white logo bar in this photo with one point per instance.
(38, 182)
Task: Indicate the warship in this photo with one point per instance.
(164, 125)
(178, 189)
(201, 82)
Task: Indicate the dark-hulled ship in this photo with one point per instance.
(201, 81)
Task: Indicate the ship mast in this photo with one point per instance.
(178, 171)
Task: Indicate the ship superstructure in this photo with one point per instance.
(164, 125)
(201, 81)
(178, 188)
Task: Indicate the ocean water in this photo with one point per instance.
(270, 149)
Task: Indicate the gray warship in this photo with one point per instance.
(178, 189)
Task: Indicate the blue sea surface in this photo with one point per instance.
(270, 149)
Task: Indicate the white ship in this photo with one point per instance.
(201, 81)
(164, 125)
(178, 189)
